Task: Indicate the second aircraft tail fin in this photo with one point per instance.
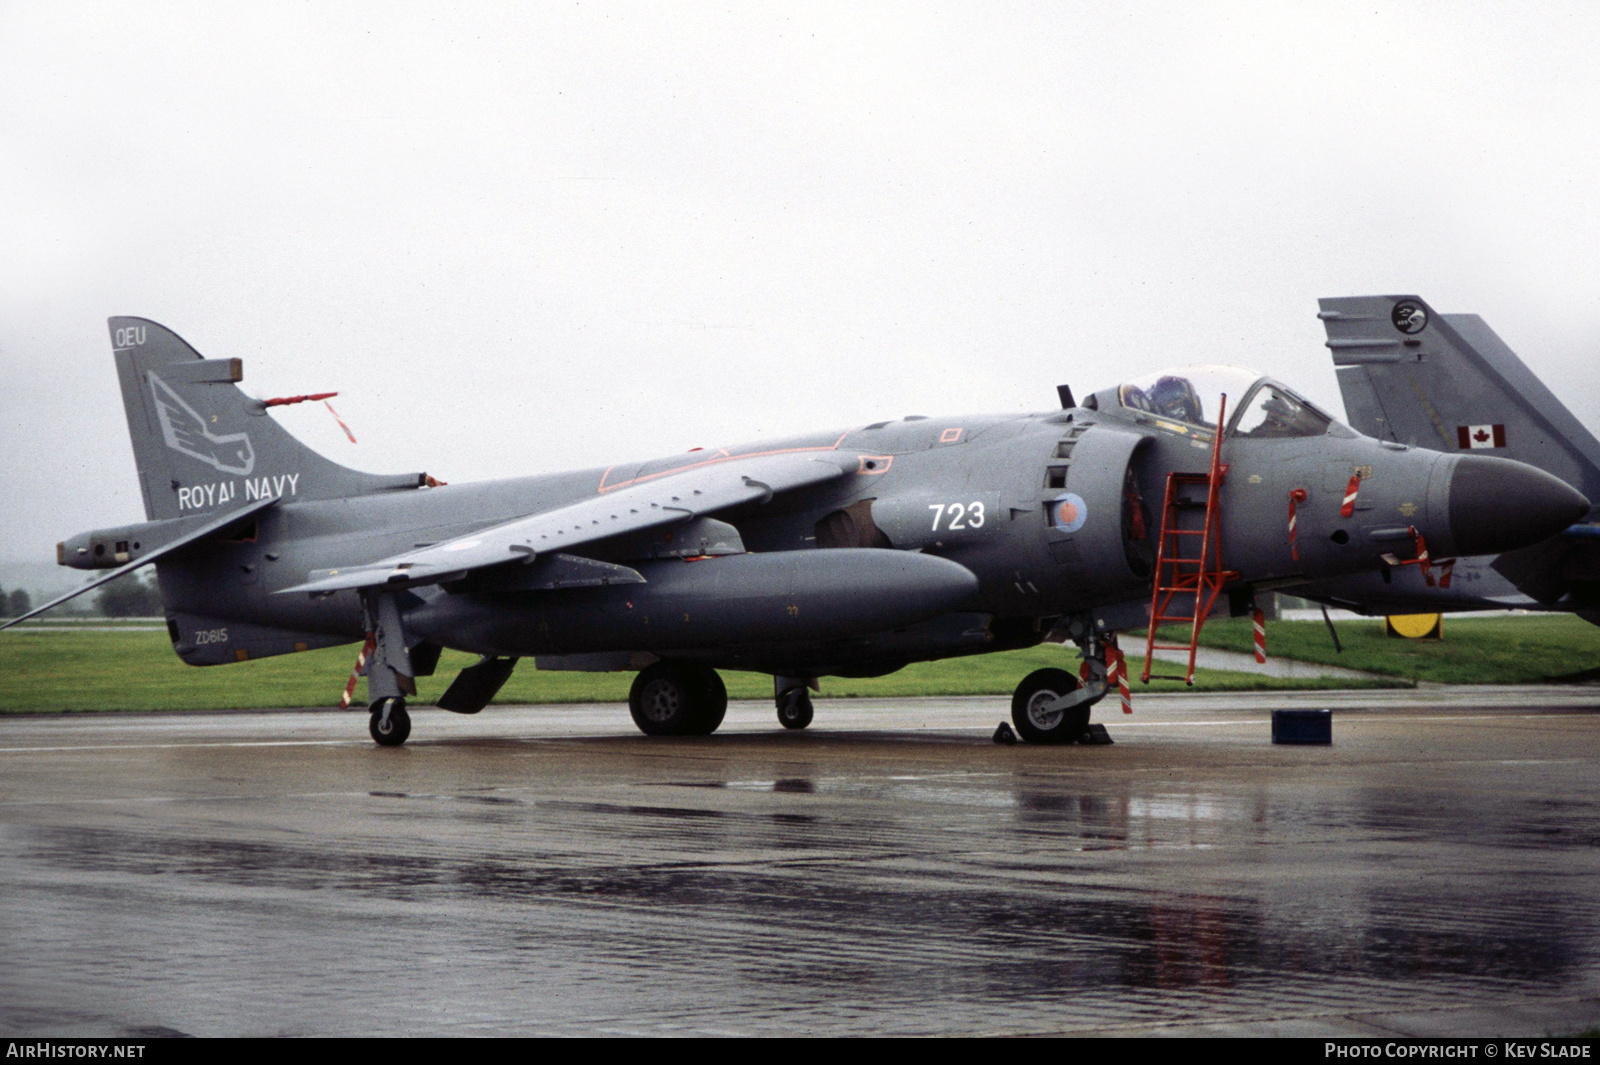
(1448, 383)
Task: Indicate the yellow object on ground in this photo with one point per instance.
(1415, 626)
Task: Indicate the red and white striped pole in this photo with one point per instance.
(1259, 620)
(1119, 672)
(355, 674)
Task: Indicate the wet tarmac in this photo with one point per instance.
(549, 871)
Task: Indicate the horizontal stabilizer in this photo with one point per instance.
(199, 533)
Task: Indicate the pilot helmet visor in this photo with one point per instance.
(1191, 394)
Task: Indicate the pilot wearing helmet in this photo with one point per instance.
(1175, 397)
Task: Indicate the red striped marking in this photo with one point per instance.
(725, 457)
(1119, 672)
(1422, 556)
(340, 420)
(1296, 497)
(361, 663)
(1349, 506)
(1259, 622)
(284, 401)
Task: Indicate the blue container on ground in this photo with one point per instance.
(1302, 726)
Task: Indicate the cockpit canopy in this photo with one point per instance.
(1193, 395)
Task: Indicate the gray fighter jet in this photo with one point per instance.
(1446, 381)
(848, 553)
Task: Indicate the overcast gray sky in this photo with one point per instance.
(525, 237)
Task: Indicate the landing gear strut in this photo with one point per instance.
(678, 699)
(390, 724)
(1052, 705)
(390, 674)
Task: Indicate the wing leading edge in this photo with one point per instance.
(678, 497)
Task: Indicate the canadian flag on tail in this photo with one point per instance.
(1471, 436)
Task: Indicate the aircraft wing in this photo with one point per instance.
(675, 497)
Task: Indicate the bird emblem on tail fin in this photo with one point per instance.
(185, 431)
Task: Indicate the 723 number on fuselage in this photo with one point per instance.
(958, 516)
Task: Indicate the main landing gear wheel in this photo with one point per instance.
(390, 724)
(678, 699)
(1034, 722)
(794, 708)
(715, 705)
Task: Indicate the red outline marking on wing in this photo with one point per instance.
(604, 488)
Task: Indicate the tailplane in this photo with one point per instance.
(203, 446)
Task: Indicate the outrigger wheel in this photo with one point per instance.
(794, 708)
(390, 724)
(1034, 722)
(678, 699)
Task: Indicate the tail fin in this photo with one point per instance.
(201, 444)
(1447, 382)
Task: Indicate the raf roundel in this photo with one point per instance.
(1069, 512)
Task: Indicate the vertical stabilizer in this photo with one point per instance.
(204, 447)
(1447, 382)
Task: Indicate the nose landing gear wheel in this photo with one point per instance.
(1034, 722)
(390, 724)
(794, 708)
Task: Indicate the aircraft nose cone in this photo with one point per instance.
(1500, 505)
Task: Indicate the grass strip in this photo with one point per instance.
(1525, 649)
(78, 671)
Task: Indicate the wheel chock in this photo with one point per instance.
(1003, 734)
(1095, 736)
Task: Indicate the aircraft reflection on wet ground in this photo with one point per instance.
(1434, 871)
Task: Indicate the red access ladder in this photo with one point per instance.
(1195, 580)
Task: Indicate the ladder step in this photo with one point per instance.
(1198, 579)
